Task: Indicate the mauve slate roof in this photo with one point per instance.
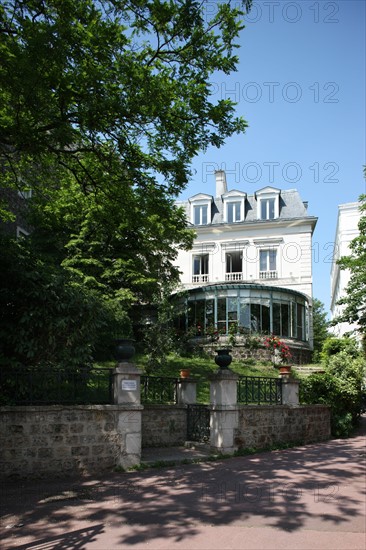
(291, 206)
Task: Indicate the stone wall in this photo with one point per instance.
(61, 440)
(164, 425)
(300, 354)
(262, 426)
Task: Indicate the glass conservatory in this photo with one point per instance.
(254, 308)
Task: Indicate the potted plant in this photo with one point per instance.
(285, 369)
(185, 373)
(280, 352)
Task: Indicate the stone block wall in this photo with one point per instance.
(164, 425)
(262, 426)
(61, 440)
(239, 352)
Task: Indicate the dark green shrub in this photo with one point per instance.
(334, 345)
(340, 387)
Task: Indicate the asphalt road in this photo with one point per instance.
(310, 497)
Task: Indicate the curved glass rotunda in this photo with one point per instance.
(254, 308)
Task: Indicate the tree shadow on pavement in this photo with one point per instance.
(317, 486)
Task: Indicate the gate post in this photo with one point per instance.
(186, 391)
(127, 397)
(290, 391)
(224, 415)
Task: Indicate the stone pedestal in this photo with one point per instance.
(223, 387)
(129, 430)
(126, 384)
(224, 416)
(187, 391)
(127, 394)
(290, 391)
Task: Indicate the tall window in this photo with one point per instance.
(200, 268)
(200, 214)
(267, 209)
(267, 264)
(234, 266)
(281, 319)
(234, 211)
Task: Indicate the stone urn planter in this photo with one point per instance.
(125, 349)
(223, 358)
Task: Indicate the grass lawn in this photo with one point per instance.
(201, 367)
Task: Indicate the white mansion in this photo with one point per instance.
(251, 262)
(349, 215)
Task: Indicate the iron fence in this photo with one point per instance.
(55, 386)
(198, 423)
(255, 390)
(159, 389)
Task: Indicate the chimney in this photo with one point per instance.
(306, 204)
(221, 185)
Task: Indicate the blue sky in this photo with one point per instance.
(300, 85)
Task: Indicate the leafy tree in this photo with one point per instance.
(123, 249)
(320, 327)
(103, 106)
(113, 88)
(46, 317)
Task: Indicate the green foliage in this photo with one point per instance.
(104, 156)
(253, 341)
(233, 331)
(320, 328)
(333, 345)
(91, 67)
(159, 337)
(340, 387)
(47, 317)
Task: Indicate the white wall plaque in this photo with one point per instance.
(129, 385)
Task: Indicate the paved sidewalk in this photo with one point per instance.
(309, 497)
(190, 452)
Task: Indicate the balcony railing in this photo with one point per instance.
(199, 278)
(268, 275)
(234, 277)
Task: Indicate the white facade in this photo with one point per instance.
(346, 230)
(236, 251)
(246, 244)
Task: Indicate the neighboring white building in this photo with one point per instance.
(251, 261)
(346, 230)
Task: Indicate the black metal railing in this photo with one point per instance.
(55, 386)
(159, 389)
(255, 390)
(198, 423)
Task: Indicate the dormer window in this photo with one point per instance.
(233, 212)
(234, 202)
(267, 209)
(268, 201)
(200, 214)
(201, 209)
